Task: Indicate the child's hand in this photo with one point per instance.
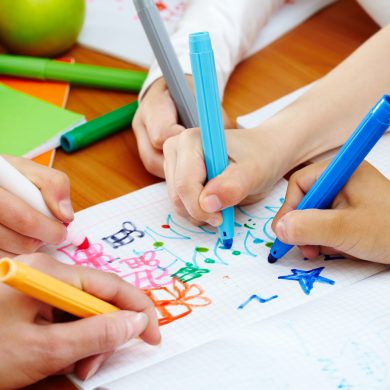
(23, 229)
(34, 345)
(257, 161)
(358, 224)
(155, 121)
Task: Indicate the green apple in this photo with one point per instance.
(40, 27)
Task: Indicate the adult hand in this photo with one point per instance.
(33, 345)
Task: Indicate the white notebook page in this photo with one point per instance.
(214, 291)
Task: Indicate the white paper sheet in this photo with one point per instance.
(341, 341)
(215, 291)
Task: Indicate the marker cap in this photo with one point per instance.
(200, 42)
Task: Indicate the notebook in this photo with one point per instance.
(205, 295)
(54, 92)
(30, 126)
(379, 156)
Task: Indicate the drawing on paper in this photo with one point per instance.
(176, 301)
(255, 297)
(307, 279)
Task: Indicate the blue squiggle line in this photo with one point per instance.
(265, 226)
(215, 250)
(258, 299)
(171, 221)
(247, 236)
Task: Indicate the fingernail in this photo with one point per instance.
(66, 209)
(215, 221)
(211, 204)
(138, 323)
(95, 367)
(280, 230)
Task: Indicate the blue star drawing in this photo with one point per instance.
(306, 279)
(257, 298)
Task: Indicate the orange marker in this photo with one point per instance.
(50, 290)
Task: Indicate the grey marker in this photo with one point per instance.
(166, 57)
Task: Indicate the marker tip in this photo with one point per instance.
(227, 244)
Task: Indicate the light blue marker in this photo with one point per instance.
(343, 165)
(210, 120)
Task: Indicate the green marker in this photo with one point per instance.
(86, 75)
(98, 128)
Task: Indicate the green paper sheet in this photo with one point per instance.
(30, 126)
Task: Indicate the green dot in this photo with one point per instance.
(236, 253)
(210, 261)
(189, 264)
(269, 244)
(201, 249)
(158, 244)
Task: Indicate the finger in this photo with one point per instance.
(227, 123)
(66, 370)
(190, 175)
(310, 251)
(53, 184)
(160, 119)
(88, 367)
(16, 243)
(227, 189)
(299, 184)
(313, 227)
(104, 285)
(4, 253)
(170, 162)
(73, 341)
(152, 158)
(23, 219)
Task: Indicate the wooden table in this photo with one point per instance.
(112, 167)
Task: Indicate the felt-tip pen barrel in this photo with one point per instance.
(78, 74)
(98, 128)
(210, 120)
(343, 165)
(166, 57)
(52, 291)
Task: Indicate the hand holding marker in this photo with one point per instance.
(210, 119)
(16, 183)
(343, 165)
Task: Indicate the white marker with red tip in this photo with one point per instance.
(16, 183)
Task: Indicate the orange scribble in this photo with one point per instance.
(160, 5)
(176, 301)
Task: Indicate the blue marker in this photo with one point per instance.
(210, 120)
(343, 165)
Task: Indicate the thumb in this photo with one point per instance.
(55, 188)
(312, 227)
(92, 336)
(227, 189)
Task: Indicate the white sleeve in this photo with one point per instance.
(233, 26)
(379, 10)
